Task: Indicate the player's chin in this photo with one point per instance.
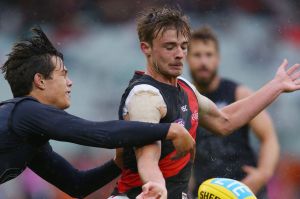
(65, 104)
(175, 72)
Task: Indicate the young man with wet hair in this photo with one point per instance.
(41, 88)
(160, 96)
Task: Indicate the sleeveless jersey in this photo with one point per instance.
(182, 107)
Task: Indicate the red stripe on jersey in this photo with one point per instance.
(168, 167)
(194, 107)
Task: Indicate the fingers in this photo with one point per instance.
(284, 64)
(178, 155)
(292, 69)
(146, 188)
(140, 196)
(297, 82)
(295, 76)
(193, 153)
(183, 145)
(151, 190)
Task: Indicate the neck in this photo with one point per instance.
(38, 97)
(157, 75)
(211, 87)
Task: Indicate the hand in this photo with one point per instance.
(255, 179)
(153, 190)
(182, 140)
(289, 78)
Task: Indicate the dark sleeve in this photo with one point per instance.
(31, 118)
(57, 171)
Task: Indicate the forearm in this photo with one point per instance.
(57, 171)
(151, 172)
(147, 162)
(268, 157)
(116, 134)
(35, 119)
(241, 112)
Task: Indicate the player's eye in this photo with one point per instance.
(169, 47)
(184, 48)
(209, 54)
(197, 54)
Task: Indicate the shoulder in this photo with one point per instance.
(32, 111)
(32, 106)
(145, 93)
(144, 103)
(143, 89)
(187, 82)
(229, 83)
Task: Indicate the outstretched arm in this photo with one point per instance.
(32, 118)
(78, 184)
(237, 114)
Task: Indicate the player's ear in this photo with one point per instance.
(39, 81)
(146, 48)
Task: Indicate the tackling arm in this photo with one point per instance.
(57, 171)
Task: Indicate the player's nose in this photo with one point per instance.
(69, 82)
(180, 53)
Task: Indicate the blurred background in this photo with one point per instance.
(101, 49)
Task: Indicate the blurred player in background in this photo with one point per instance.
(231, 156)
(159, 96)
(41, 88)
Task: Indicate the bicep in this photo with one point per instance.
(146, 106)
(210, 117)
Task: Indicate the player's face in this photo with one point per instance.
(203, 60)
(58, 87)
(168, 52)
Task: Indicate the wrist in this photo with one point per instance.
(265, 175)
(161, 182)
(278, 84)
(173, 131)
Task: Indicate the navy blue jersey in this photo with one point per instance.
(222, 156)
(26, 126)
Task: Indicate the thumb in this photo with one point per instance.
(284, 64)
(146, 188)
(140, 196)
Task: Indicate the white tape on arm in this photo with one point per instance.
(144, 103)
